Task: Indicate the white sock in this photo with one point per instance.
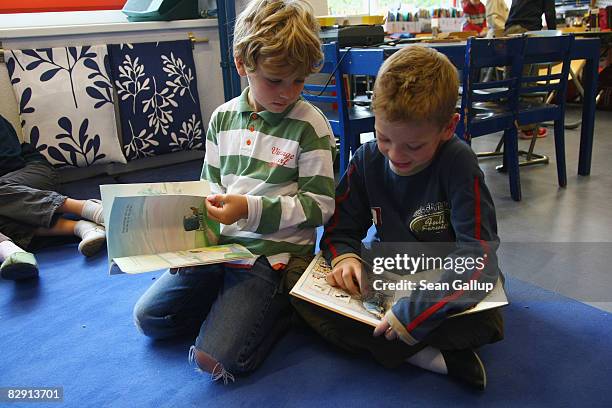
(92, 211)
(8, 248)
(83, 228)
(429, 359)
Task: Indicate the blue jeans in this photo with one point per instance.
(239, 313)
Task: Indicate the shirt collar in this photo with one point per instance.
(270, 117)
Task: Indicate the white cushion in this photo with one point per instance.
(66, 103)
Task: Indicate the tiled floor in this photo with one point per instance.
(559, 238)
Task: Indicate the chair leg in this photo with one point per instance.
(560, 152)
(512, 162)
(345, 150)
(460, 130)
(355, 142)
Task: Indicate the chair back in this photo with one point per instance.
(334, 93)
(546, 50)
(482, 54)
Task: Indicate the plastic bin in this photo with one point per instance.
(154, 10)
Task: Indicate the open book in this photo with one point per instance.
(154, 226)
(313, 287)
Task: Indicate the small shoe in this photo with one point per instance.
(528, 134)
(92, 241)
(18, 266)
(465, 365)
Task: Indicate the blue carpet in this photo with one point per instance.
(73, 328)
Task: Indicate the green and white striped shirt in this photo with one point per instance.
(283, 164)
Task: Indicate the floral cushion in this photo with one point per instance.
(66, 104)
(158, 97)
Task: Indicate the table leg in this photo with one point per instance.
(588, 114)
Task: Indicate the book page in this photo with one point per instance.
(152, 226)
(313, 287)
(108, 192)
(147, 225)
(192, 257)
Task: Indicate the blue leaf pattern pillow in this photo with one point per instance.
(158, 97)
(66, 103)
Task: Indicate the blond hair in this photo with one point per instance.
(416, 84)
(283, 32)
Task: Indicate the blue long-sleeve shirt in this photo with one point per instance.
(14, 155)
(447, 201)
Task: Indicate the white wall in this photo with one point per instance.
(319, 6)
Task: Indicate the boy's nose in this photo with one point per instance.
(397, 157)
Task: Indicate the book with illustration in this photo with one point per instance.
(371, 308)
(154, 226)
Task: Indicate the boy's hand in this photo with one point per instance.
(347, 275)
(227, 208)
(385, 327)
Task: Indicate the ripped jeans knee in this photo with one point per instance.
(204, 362)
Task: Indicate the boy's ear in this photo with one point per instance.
(240, 67)
(449, 129)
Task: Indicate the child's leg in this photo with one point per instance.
(93, 236)
(29, 206)
(447, 349)
(249, 315)
(455, 339)
(178, 303)
(36, 175)
(88, 209)
(15, 263)
(468, 331)
(32, 193)
(348, 334)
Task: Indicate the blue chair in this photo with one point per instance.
(547, 50)
(489, 107)
(347, 120)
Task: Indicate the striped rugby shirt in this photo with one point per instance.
(283, 164)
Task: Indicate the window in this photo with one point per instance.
(35, 6)
(349, 7)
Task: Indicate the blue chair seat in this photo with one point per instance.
(526, 104)
(361, 117)
(488, 114)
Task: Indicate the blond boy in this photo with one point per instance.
(417, 183)
(269, 163)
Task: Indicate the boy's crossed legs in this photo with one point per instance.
(239, 313)
(446, 350)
